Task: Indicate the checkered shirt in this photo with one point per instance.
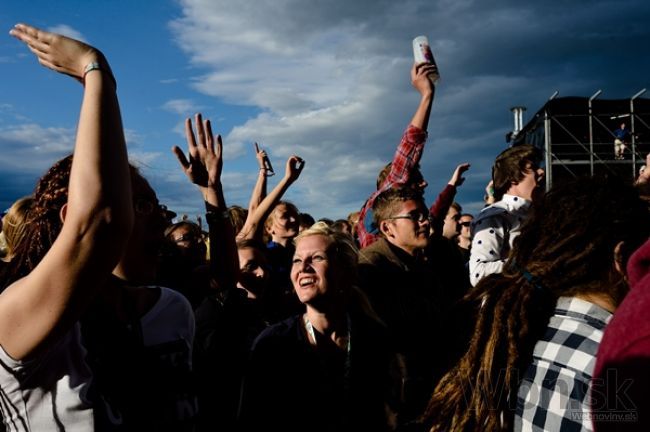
(407, 156)
(553, 393)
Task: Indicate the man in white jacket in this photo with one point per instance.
(517, 179)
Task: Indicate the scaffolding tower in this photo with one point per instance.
(577, 135)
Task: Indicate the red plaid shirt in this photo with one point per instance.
(406, 157)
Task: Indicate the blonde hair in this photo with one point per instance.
(268, 223)
(346, 254)
(14, 223)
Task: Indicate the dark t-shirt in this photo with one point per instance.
(294, 386)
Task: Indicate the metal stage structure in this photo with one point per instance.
(577, 135)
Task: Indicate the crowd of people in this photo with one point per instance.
(400, 317)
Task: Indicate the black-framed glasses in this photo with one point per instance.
(465, 224)
(418, 217)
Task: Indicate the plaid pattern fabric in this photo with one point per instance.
(553, 392)
(406, 157)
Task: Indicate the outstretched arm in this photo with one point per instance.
(252, 228)
(259, 191)
(420, 80)
(445, 198)
(408, 153)
(43, 305)
(203, 168)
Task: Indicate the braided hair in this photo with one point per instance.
(43, 224)
(566, 248)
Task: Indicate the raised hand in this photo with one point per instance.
(263, 162)
(457, 178)
(260, 155)
(420, 77)
(293, 168)
(204, 164)
(58, 52)
(489, 193)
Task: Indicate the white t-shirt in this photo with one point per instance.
(50, 392)
(47, 392)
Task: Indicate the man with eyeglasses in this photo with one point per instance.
(405, 287)
(404, 170)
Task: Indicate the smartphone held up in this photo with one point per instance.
(422, 54)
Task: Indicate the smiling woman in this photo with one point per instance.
(337, 347)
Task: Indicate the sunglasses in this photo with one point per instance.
(415, 217)
(465, 224)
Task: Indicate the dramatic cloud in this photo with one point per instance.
(330, 81)
(331, 78)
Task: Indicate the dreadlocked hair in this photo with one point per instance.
(43, 224)
(566, 248)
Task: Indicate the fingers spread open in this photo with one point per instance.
(219, 147)
(181, 157)
(200, 129)
(210, 137)
(189, 134)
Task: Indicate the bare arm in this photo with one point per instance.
(422, 83)
(252, 229)
(259, 191)
(46, 303)
(203, 168)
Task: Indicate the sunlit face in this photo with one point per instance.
(313, 270)
(285, 222)
(408, 227)
(450, 227)
(253, 276)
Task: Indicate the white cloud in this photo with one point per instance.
(68, 31)
(143, 159)
(181, 106)
(34, 148)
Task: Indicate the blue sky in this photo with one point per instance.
(328, 80)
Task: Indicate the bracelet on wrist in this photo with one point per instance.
(95, 66)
